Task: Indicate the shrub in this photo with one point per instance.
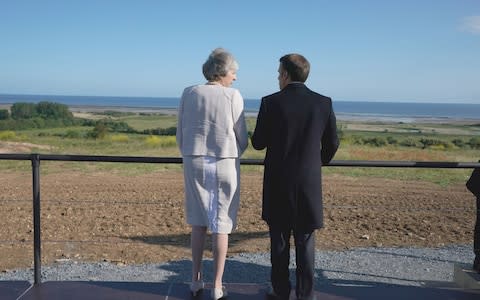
(161, 141)
(39, 122)
(22, 137)
(8, 125)
(119, 126)
(88, 122)
(4, 114)
(168, 141)
(391, 140)
(474, 142)
(437, 147)
(161, 131)
(459, 143)
(448, 145)
(348, 139)
(72, 134)
(114, 113)
(119, 138)
(99, 131)
(113, 126)
(355, 140)
(376, 141)
(430, 142)
(409, 142)
(7, 135)
(340, 132)
(153, 141)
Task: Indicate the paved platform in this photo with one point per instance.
(466, 278)
(93, 290)
(13, 289)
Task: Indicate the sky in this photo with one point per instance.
(401, 51)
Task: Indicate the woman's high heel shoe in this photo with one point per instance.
(218, 293)
(196, 287)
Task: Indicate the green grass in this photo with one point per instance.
(142, 122)
(442, 177)
(120, 144)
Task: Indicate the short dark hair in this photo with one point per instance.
(296, 66)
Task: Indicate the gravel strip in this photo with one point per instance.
(360, 266)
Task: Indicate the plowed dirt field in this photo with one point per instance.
(138, 219)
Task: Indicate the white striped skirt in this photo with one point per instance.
(212, 192)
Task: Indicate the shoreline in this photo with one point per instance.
(133, 109)
(348, 117)
(356, 118)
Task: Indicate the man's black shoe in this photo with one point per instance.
(476, 264)
(271, 295)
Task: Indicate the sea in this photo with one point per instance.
(347, 110)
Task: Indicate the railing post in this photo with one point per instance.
(37, 258)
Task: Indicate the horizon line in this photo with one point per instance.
(246, 98)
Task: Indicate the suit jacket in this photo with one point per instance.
(298, 128)
(473, 183)
(211, 122)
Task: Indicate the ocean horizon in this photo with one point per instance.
(373, 110)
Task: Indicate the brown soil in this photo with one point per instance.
(19, 147)
(139, 219)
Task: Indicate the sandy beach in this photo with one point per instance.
(357, 118)
(99, 109)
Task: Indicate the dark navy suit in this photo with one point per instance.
(298, 128)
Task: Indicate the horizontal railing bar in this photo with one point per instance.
(114, 240)
(10, 156)
(100, 158)
(403, 164)
(178, 160)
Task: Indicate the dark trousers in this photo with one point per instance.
(280, 259)
(476, 239)
(476, 232)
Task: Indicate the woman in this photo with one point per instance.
(212, 135)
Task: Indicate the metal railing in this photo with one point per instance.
(37, 158)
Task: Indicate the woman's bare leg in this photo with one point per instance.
(197, 240)
(220, 247)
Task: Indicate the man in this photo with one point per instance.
(473, 185)
(298, 128)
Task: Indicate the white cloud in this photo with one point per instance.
(471, 24)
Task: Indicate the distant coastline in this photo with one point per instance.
(100, 108)
(359, 118)
(360, 111)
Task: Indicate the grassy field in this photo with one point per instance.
(360, 141)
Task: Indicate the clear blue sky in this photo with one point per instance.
(409, 50)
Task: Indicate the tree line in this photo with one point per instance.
(46, 114)
(44, 109)
(35, 115)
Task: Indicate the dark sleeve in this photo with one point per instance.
(260, 134)
(473, 183)
(330, 140)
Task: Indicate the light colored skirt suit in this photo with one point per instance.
(211, 135)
